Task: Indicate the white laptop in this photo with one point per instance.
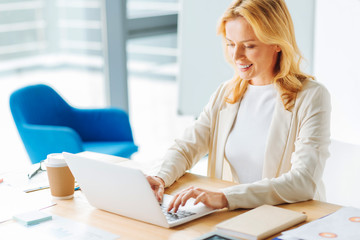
(125, 191)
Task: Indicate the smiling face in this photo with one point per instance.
(255, 61)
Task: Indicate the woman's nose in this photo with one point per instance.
(239, 53)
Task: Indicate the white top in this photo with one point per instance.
(245, 146)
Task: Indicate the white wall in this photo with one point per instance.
(202, 65)
(341, 174)
(303, 16)
(337, 63)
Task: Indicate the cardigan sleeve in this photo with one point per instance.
(194, 143)
(307, 160)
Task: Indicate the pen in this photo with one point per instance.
(35, 189)
(43, 187)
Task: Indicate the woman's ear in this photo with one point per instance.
(277, 48)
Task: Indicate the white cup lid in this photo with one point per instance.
(55, 160)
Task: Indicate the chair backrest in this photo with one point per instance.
(40, 105)
(47, 124)
(36, 110)
(341, 174)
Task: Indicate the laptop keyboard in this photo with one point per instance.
(170, 216)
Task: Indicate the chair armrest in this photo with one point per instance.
(106, 124)
(40, 140)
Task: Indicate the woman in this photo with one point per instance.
(270, 123)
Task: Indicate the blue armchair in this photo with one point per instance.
(48, 124)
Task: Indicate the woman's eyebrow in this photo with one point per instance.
(248, 40)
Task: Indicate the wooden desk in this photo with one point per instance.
(80, 210)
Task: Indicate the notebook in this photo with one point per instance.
(261, 222)
(125, 191)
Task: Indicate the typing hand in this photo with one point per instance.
(158, 186)
(211, 199)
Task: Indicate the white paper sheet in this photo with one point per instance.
(344, 224)
(14, 201)
(20, 181)
(58, 228)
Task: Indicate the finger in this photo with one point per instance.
(200, 198)
(160, 193)
(178, 201)
(171, 204)
(182, 199)
(190, 194)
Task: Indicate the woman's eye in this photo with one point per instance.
(230, 44)
(249, 46)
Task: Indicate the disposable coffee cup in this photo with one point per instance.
(61, 180)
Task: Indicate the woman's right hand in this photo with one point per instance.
(157, 185)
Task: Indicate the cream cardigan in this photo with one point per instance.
(295, 154)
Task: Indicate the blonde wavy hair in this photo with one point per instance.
(272, 24)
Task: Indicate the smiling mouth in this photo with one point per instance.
(244, 68)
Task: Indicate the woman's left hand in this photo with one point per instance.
(211, 199)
